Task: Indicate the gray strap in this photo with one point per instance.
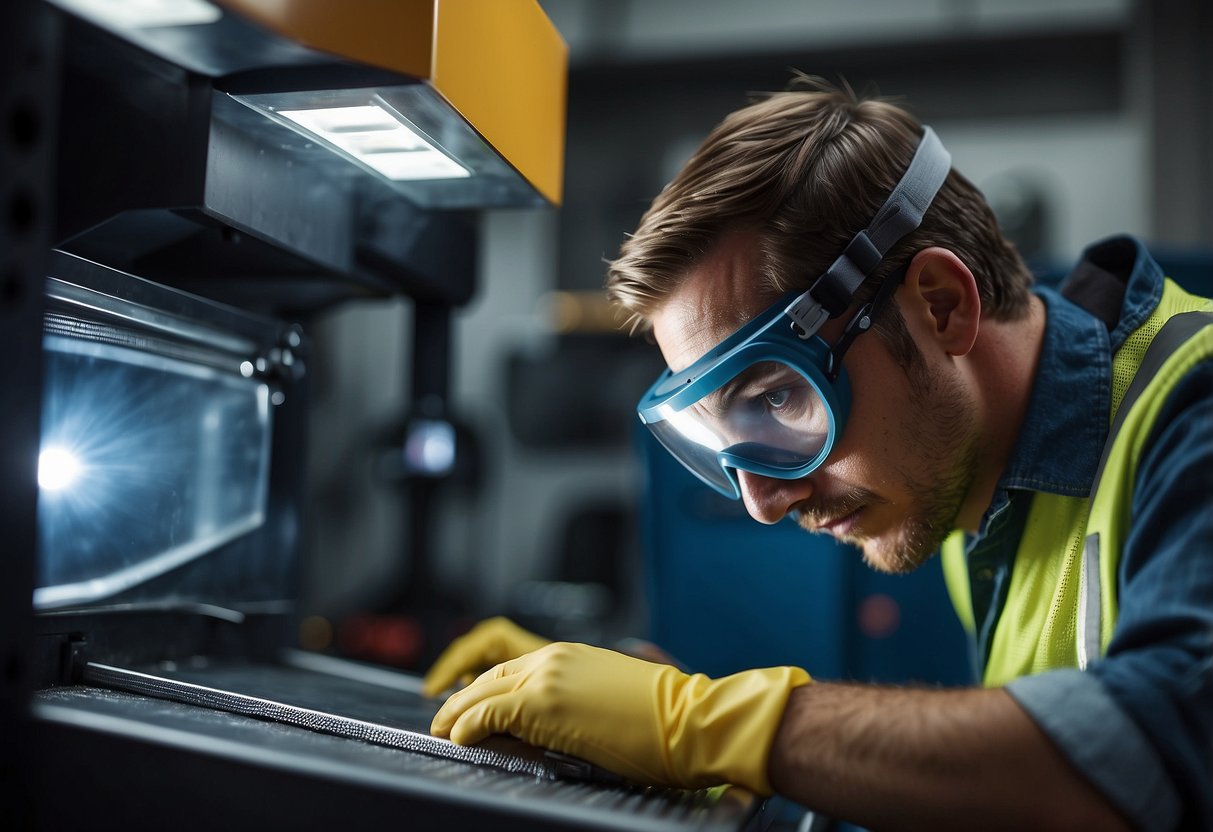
(901, 213)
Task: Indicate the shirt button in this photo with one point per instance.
(984, 574)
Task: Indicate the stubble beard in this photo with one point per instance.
(941, 424)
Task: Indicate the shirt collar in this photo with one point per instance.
(1067, 418)
(1066, 423)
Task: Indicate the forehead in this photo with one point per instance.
(719, 294)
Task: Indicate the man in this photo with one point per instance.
(981, 405)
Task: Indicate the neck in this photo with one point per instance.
(1002, 369)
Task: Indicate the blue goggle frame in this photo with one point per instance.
(769, 337)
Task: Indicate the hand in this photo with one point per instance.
(491, 641)
(651, 723)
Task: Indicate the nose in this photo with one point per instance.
(768, 500)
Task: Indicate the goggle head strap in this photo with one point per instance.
(831, 294)
(861, 322)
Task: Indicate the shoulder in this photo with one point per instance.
(1173, 488)
(1185, 417)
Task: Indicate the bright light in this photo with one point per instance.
(57, 469)
(430, 446)
(374, 137)
(139, 14)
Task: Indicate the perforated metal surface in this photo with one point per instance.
(258, 707)
(425, 785)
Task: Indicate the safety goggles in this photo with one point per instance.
(773, 398)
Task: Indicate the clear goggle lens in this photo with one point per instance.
(769, 419)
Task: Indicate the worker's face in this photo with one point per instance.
(895, 481)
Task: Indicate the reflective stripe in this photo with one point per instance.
(1089, 604)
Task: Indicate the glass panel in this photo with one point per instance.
(146, 462)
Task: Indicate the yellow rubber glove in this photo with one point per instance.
(651, 723)
(490, 642)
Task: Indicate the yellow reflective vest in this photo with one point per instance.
(1061, 604)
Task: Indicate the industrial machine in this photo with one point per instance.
(222, 172)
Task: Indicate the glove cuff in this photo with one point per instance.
(725, 727)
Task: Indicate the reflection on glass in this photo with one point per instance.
(146, 462)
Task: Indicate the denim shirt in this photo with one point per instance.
(1139, 722)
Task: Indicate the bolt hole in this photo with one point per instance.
(25, 125)
(12, 668)
(11, 289)
(21, 211)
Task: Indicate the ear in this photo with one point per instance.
(941, 293)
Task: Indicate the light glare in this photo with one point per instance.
(430, 447)
(58, 468)
(692, 428)
(144, 14)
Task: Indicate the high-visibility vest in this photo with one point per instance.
(1061, 604)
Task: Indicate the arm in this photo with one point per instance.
(940, 759)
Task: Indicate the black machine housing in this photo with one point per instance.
(182, 244)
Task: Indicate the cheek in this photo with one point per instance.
(878, 435)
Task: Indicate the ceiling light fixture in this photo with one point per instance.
(379, 139)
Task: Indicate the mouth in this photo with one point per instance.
(842, 525)
(838, 527)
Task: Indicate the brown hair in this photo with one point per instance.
(807, 169)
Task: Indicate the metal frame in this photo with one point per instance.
(29, 45)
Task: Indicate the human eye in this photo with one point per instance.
(776, 399)
(784, 402)
(770, 392)
(789, 403)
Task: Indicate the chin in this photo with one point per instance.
(881, 561)
(898, 556)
